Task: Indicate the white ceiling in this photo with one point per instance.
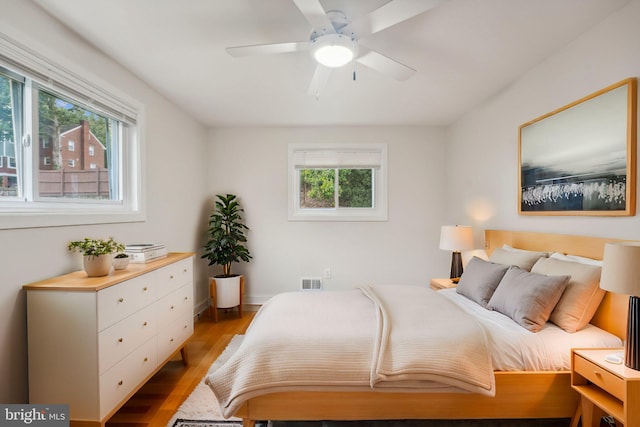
(464, 52)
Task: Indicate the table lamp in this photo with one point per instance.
(456, 238)
(621, 274)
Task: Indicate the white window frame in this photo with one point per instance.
(361, 152)
(92, 150)
(46, 161)
(79, 85)
(71, 145)
(71, 163)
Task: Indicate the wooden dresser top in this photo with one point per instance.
(78, 280)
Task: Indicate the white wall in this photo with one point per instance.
(252, 163)
(485, 142)
(175, 181)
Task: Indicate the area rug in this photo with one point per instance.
(200, 409)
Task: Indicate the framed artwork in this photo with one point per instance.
(581, 158)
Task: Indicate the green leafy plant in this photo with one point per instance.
(227, 239)
(95, 247)
(122, 255)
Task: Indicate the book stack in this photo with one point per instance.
(141, 253)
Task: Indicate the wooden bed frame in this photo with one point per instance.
(519, 394)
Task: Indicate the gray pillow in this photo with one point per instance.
(520, 258)
(528, 298)
(582, 297)
(480, 279)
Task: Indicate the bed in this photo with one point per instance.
(513, 394)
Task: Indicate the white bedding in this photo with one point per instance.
(516, 349)
(337, 341)
(392, 338)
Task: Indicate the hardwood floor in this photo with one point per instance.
(156, 402)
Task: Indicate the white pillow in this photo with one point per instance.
(520, 257)
(576, 258)
(582, 296)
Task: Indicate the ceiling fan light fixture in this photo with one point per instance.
(334, 50)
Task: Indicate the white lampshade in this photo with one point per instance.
(621, 268)
(456, 238)
(334, 50)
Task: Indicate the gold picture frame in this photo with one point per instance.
(581, 159)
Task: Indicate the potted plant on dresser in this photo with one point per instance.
(97, 254)
(226, 245)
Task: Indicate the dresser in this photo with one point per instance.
(94, 341)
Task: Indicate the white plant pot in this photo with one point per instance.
(227, 291)
(120, 263)
(97, 266)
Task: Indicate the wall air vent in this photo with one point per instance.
(311, 283)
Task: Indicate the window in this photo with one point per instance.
(41, 101)
(92, 166)
(337, 182)
(92, 150)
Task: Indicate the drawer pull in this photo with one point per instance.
(145, 324)
(185, 270)
(171, 340)
(145, 289)
(186, 298)
(120, 299)
(146, 359)
(597, 373)
(120, 340)
(171, 307)
(171, 277)
(120, 382)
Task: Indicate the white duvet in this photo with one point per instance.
(516, 349)
(392, 338)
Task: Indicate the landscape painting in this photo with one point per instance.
(580, 159)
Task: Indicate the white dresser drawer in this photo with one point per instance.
(120, 339)
(171, 337)
(174, 305)
(119, 301)
(120, 380)
(174, 276)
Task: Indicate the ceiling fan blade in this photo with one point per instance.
(388, 15)
(267, 49)
(319, 80)
(385, 65)
(315, 14)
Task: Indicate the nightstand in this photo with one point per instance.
(437, 284)
(605, 388)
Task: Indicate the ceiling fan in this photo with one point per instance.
(334, 40)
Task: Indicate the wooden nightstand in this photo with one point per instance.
(437, 284)
(605, 388)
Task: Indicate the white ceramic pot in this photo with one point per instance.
(227, 291)
(97, 266)
(120, 263)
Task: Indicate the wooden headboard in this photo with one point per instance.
(612, 313)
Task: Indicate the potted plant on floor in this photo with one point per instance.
(226, 245)
(97, 254)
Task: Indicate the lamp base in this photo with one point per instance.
(456, 266)
(632, 346)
